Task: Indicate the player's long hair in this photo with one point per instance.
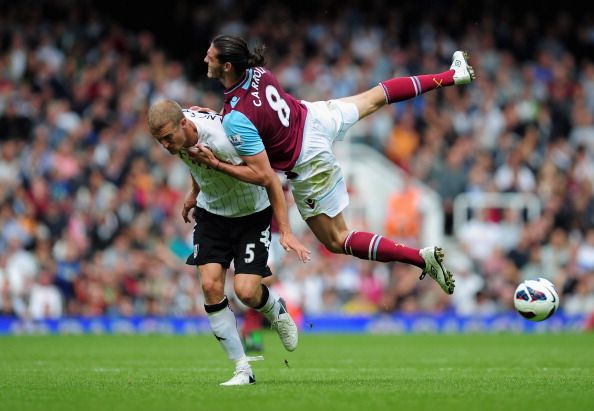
(235, 50)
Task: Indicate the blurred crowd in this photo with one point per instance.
(90, 205)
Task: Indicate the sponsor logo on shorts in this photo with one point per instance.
(265, 237)
(195, 250)
(311, 203)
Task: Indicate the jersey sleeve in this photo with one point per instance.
(243, 134)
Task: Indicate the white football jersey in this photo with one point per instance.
(220, 193)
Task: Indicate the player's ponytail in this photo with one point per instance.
(257, 58)
(235, 50)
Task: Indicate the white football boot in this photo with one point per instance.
(433, 257)
(241, 376)
(286, 328)
(464, 73)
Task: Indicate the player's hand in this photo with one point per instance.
(189, 205)
(203, 155)
(290, 242)
(203, 109)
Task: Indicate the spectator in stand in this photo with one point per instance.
(449, 178)
(45, 300)
(404, 214)
(514, 175)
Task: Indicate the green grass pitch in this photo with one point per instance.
(327, 372)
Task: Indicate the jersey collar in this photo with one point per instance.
(242, 80)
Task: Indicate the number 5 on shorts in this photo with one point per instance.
(249, 252)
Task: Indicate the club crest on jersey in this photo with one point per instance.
(311, 203)
(235, 139)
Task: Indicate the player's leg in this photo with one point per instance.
(223, 323)
(321, 205)
(254, 322)
(404, 88)
(213, 254)
(271, 306)
(321, 194)
(337, 238)
(251, 259)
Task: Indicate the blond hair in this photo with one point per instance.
(163, 112)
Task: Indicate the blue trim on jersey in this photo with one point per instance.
(250, 74)
(242, 133)
(237, 85)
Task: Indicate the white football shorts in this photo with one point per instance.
(317, 182)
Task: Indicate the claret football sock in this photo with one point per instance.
(370, 246)
(404, 88)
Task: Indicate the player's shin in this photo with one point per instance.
(404, 88)
(269, 305)
(370, 246)
(224, 327)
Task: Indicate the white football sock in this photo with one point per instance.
(271, 308)
(224, 327)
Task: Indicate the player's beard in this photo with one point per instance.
(215, 72)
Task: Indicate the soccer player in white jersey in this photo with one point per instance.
(233, 221)
(270, 129)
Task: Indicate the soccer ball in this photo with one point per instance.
(536, 300)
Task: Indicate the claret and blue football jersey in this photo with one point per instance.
(259, 115)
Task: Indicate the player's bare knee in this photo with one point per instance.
(336, 242)
(247, 294)
(212, 288)
(334, 245)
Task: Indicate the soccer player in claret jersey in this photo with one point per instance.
(270, 128)
(233, 223)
